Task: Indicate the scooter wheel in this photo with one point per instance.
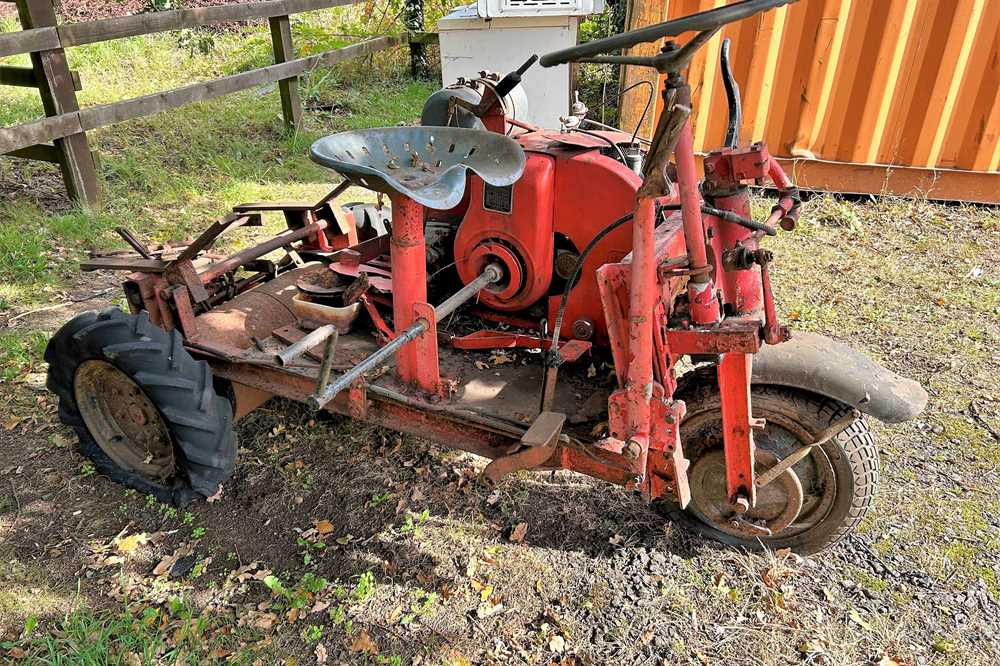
(146, 413)
(811, 506)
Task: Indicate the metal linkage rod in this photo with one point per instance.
(491, 274)
(297, 349)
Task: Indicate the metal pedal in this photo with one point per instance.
(538, 444)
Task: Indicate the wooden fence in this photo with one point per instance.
(66, 124)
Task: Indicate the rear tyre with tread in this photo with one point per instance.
(197, 422)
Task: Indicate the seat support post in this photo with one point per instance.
(409, 291)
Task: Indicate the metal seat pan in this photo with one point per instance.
(426, 164)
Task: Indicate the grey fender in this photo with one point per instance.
(818, 364)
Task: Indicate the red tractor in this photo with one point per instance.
(605, 260)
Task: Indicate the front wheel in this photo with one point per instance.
(808, 508)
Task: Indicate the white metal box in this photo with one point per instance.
(470, 44)
(502, 8)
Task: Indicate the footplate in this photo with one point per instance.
(536, 447)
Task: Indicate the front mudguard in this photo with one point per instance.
(816, 363)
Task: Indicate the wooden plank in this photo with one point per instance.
(55, 85)
(26, 41)
(24, 77)
(93, 117)
(74, 34)
(124, 264)
(41, 152)
(281, 40)
(40, 131)
(417, 37)
(106, 114)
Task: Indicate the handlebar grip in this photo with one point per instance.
(510, 81)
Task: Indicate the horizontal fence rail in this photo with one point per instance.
(66, 124)
(92, 117)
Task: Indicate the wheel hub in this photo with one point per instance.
(123, 420)
(778, 503)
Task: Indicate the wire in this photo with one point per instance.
(621, 153)
(554, 345)
(645, 110)
(620, 94)
(613, 129)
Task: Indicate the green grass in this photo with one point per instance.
(167, 176)
(133, 635)
(20, 352)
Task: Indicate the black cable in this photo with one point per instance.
(645, 110)
(564, 300)
(554, 345)
(621, 153)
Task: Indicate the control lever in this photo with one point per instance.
(510, 81)
(488, 101)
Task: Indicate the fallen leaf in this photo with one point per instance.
(591, 371)
(133, 659)
(324, 527)
(517, 534)
(886, 660)
(557, 643)
(320, 653)
(860, 621)
(16, 653)
(418, 496)
(216, 497)
(493, 498)
(11, 423)
(128, 544)
(501, 357)
(364, 643)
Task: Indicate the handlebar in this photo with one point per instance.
(706, 21)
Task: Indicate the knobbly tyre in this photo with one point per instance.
(584, 243)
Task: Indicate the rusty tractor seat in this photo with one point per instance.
(426, 164)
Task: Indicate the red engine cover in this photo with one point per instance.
(568, 188)
(513, 226)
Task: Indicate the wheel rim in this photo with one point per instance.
(123, 420)
(797, 501)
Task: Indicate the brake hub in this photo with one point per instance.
(124, 422)
(778, 504)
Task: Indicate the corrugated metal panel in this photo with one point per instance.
(908, 83)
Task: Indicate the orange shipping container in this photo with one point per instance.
(867, 96)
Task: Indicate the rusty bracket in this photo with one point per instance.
(357, 399)
(183, 272)
(538, 444)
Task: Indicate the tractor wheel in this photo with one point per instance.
(145, 411)
(811, 506)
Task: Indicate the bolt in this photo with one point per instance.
(734, 524)
(741, 505)
(632, 449)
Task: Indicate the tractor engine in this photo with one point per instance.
(575, 183)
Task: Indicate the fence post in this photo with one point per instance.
(55, 85)
(414, 18)
(281, 39)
